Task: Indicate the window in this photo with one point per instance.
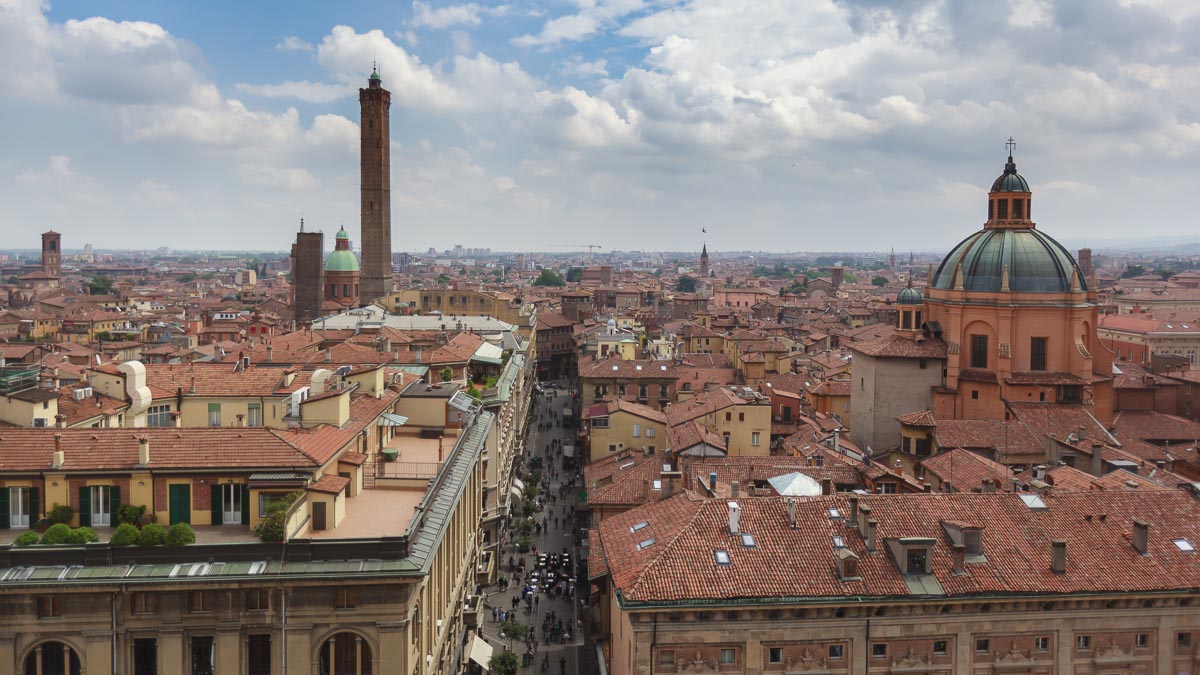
(159, 416)
(975, 394)
(258, 600)
(754, 438)
(258, 655)
(1002, 209)
(200, 601)
(254, 417)
(642, 391)
(1017, 207)
(775, 655)
(939, 647)
(49, 607)
(266, 500)
(142, 603)
(728, 417)
(1042, 644)
(721, 556)
(599, 422)
(1037, 353)
(879, 650)
(345, 654)
(728, 657)
(343, 598)
(1083, 642)
(203, 658)
(982, 645)
(621, 390)
(1183, 640)
(837, 652)
(145, 656)
(851, 567)
(885, 489)
(1141, 640)
(637, 431)
(741, 417)
(916, 560)
(921, 363)
(214, 414)
(979, 351)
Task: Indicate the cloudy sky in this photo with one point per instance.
(775, 124)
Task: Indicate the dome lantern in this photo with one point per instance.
(1010, 200)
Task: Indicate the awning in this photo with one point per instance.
(518, 484)
(481, 652)
(489, 353)
(392, 420)
(516, 491)
(568, 451)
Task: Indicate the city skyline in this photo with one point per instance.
(639, 122)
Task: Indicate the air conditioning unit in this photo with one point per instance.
(82, 393)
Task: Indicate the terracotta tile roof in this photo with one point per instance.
(703, 404)
(615, 368)
(78, 411)
(923, 418)
(965, 469)
(330, 484)
(682, 436)
(894, 346)
(1006, 437)
(214, 379)
(353, 458)
(674, 561)
(1060, 419)
(1150, 425)
(624, 479)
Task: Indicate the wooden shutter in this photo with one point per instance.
(85, 506)
(4, 508)
(114, 503)
(245, 504)
(215, 502)
(35, 507)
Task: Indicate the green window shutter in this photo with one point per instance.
(85, 506)
(35, 506)
(245, 504)
(114, 503)
(3, 508)
(217, 515)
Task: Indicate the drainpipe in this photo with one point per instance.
(114, 628)
(653, 643)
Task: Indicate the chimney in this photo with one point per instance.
(143, 451)
(58, 458)
(871, 526)
(241, 420)
(863, 516)
(712, 480)
(791, 509)
(826, 486)
(1141, 536)
(1097, 468)
(735, 489)
(852, 521)
(1081, 434)
(1058, 556)
(270, 352)
(735, 513)
(960, 559)
(989, 485)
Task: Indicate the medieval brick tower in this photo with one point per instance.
(376, 170)
(52, 254)
(308, 275)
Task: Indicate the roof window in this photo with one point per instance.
(834, 513)
(839, 542)
(638, 526)
(646, 543)
(658, 485)
(1184, 545)
(626, 465)
(748, 540)
(721, 556)
(1033, 501)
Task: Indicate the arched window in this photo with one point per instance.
(345, 654)
(52, 658)
(53, 246)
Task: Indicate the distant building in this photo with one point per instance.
(308, 275)
(342, 273)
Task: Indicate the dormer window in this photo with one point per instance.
(847, 565)
(916, 561)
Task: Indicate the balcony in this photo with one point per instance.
(485, 568)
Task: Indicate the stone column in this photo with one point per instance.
(299, 657)
(229, 650)
(170, 651)
(392, 656)
(97, 656)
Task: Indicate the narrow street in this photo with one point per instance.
(553, 590)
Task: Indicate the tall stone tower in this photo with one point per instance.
(376, 181)
(308, 275)
(52, 254)
(704, 261)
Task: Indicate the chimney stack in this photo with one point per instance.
(143, 451)
(1097, 468)
(1141, 536)
(59, 458)
(791, 509)
(735, 513)
(712, 480)
(852, 521)
(270, 352)
(735, 489)
(1058, 556)
(871, 526)
(863, 516)
(960, 559)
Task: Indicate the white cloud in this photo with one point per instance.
(312, 92)
(153, 193)
(60, 182)
(427, 16)
(461, 41)
(285, 178)
(575, 66)
(292, 43)
(592, 17)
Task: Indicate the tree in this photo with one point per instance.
(879, 281)
(685, 284)
(100, 286)
(574, 274)
(447, 374)
(504, 663)
(1133, 271)
(549, 278)
(514, 631)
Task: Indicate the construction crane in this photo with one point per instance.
(589, 247)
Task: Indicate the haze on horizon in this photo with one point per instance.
(824, 126)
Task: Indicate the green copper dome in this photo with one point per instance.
(1036, 263)
(1010, 180)
(910, 296)
(341, 261)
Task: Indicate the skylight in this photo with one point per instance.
(638, 367)
(721, 556)
(639, 526)
(626, 465)
(645, 544)
(1184, 545)
(658, 485)
(834, 513)
(747, 540)
(839, 542)
(1033, 501)
(614, 367)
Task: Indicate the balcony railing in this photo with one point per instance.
(408, 469)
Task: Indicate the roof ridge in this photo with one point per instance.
(685, 496)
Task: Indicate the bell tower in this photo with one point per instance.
(52, 254)
(375, 103)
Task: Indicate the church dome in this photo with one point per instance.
(342, 259)
(910, 296)
(1010, 180)
(1036, 263)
